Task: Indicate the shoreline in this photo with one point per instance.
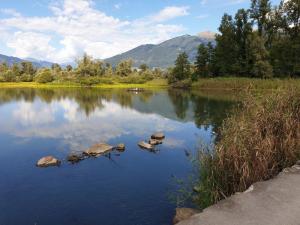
(259, 204)
(226, 84)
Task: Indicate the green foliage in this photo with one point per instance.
(226, 49)
(27, 68)
(272, 50)
(44, 76)
(124, 68)
(261, 67)
(202, 61)
(87, 67)
(182, 69)
(8, 76)
(143, 67)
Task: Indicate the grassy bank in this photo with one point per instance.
(156, 83)
(234, 83)
(202, 84)
(260, 139)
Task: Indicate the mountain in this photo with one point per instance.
(164, 54)
(11, 60)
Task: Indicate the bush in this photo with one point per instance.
(44, 76)
(8, 76)
(255, 144)
(25, 78)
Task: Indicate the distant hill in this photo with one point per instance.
(164, 54)
(11, 60)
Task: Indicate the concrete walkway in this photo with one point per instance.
(273, 202)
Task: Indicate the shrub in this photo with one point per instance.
(44, 76)
(255, 143)
(8, 76)
(25, 78)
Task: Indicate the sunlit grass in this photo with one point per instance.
(234, 83)
(156, 83)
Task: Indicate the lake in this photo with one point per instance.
(129, 188)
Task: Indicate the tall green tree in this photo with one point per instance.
(202, 61)
(27, 68)
(182, 69)
(243, 29)
(226, 49)
(259, 57)
(259, 13)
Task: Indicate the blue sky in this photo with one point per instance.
(62, 30)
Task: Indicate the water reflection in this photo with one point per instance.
(38, 122)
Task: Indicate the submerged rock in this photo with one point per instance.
(155, 142)
(145, 145)
(98, 149)
(120, 147)
(183, 214)
(75, 158)
(158, 136)
(48, 161)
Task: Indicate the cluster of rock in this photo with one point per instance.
(94, 151)
(100, 149)
(155, 139)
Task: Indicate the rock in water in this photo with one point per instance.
(183, 214)
(155, 142)
(98, 149)
(48, 161)
(158, 136)
(120, 147)
(145, 145)
(75, 158)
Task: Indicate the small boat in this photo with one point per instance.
(135, 89)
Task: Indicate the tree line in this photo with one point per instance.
(88, 71)
(260, 42)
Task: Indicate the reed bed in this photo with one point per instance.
(260, 139)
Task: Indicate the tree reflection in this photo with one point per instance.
(180, 100)
(204, 109)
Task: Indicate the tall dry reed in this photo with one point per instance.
(260, 139)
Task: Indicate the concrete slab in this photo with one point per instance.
(273, 202)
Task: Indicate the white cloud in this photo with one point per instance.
(74, 28)
(30, 43)
(170, 12)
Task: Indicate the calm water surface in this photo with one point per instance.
(129, 188)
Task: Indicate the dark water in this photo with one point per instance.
(129, 188)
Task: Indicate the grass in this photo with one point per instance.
(238, 83)
(156, 83)
(260, 139)
(229, 83)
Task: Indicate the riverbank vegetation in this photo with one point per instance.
(260, 42)
(260, 139)
(88, 72)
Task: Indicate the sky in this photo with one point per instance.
(63, 30)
